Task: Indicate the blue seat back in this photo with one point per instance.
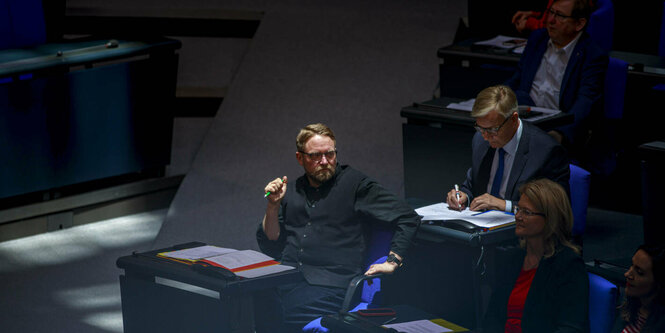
(580, 180)
(601, 24)
(602, 303)
(22, 24)
(615, 88)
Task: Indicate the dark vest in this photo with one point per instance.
(326, 240)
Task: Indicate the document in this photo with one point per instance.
(504, 42)
(418, 326)
(197, 253)
(538, 112)
(490, 219)
(245, 263)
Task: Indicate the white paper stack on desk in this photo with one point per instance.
(244, 263)
(486, 220)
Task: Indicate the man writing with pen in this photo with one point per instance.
(320, 225)
(506, 153)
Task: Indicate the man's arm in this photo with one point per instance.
(588, 93)
(277, 189)
(381, 205)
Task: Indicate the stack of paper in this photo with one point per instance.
(245, 263)
(490, 219)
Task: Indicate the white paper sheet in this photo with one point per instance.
(468, 105)
(240, 258)
(504, 42)
(418, 326)
(261, 271)
(200, 252)
(487, 219)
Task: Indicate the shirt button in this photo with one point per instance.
(302, 250)
(300, 263)
(304, 236)
(309, 223)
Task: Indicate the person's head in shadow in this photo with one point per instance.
(645, 287)
(544, 218)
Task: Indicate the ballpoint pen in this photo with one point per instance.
(268, 193)
(459, 205)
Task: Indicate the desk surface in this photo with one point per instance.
(350, 322)
(639, 64)
(148, 264)
(17, 61)
(436, 111)
(438, 233)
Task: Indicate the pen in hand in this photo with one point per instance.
(459, 205)
(268, 193)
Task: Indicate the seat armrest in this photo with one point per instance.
(354, 285)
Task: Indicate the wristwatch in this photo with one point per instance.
(393, 258)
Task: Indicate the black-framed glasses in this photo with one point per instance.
(558, 16)
(318, 155)
(490, 130)
(526, 212)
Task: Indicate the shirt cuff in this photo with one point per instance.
(509, 206)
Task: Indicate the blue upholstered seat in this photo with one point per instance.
(601, 24)
(602, 303)
(580, 180)
(379, 245)
(21, 24)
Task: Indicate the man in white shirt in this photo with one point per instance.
(562, 68)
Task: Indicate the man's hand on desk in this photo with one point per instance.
(487, 202)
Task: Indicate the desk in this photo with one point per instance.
(652, 155)
(81, 111)
(346, 323)
(466, 69)
(446, 270)
(160, 295)
(437, 146)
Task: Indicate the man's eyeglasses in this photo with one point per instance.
(526, 212)
(318, 156)
(558, 16)
(491, 130)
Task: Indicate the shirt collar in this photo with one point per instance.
(568, 49)
(511, 146)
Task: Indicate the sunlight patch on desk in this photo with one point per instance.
(108, 321)
(94, 297)
(78, 243)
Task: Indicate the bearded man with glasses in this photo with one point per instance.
(506, 153)
(563, 68)
(320, 225)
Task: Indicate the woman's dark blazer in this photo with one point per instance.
(558, 299)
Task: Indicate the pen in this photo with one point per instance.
(459, 205)
(268, 193)
(524, 108)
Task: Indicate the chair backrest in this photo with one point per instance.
(580, 180)
(377, 249)
(608, 133)
(22, 23)
(615, 88)
(601, 24)
(602, 303)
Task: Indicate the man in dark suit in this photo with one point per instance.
(562, 68)
(507, 152)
